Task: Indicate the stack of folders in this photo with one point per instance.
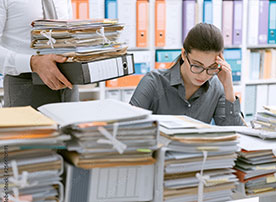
(29, 168)
(79, 40)
(25, 127)
(197, 161)
(34, 175)
(106, 133)
(264, 123)
(256, 166)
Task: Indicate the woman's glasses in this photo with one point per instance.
(196, 69)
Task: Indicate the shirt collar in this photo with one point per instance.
(176, 79)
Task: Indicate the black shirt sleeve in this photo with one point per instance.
(144, 93)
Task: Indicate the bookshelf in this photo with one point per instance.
(239, 86)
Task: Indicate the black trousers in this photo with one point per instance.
(20, 91)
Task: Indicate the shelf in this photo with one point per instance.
(237, 83)
(89, 90)
(81, 90)
(233, 47)
(260, 82)
(137, 49)
(121, 88)
(164, 48)
(264, 46)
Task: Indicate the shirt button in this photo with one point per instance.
(189, 105)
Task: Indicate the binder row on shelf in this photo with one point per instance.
(136, 24)
(261, 22)
(173, 19)
(262, 64)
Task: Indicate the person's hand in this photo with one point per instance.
(45, 66)
(225, 77)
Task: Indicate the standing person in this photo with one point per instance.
(198, 85)
(18, 60)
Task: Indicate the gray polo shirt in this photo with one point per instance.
(163, 92)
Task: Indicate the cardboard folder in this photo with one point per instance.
(91, 72)
(80, 9)
(160, 23)
(142, 23)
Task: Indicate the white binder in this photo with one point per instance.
(117, 184)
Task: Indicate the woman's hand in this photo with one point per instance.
(225, 77)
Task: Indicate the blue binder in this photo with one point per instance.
(167, 55)
(233, 57)
(111, 9)
(272, 23)
(208, 11)
(141, 68)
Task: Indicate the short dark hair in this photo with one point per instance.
(204, 37)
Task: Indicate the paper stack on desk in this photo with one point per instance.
(26, 140)
(256, 166)
(26, 127)
(106, 133)
(264, 124)
(196, 162)
(34, 174)
(79, 40)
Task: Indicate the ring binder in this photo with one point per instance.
(91, 72)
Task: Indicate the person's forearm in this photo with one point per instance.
(229, 93)
(13, 63)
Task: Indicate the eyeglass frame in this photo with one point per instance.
(203, 68)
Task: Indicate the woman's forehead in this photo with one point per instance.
(205, 57)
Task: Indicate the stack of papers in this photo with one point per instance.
(256, 165)
(264, 124)
(105, 133)
(26, 140)
(79, 40)
(195, 148)
(34, 174)
(26, 127)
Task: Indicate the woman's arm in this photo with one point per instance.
(228, 113)
(225, 77)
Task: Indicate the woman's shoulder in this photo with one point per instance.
(158, 74)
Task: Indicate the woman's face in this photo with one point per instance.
(197, 59)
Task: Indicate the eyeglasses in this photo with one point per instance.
(196, 69)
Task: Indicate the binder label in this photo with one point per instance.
(100, 70)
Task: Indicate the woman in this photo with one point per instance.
(198, 85)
